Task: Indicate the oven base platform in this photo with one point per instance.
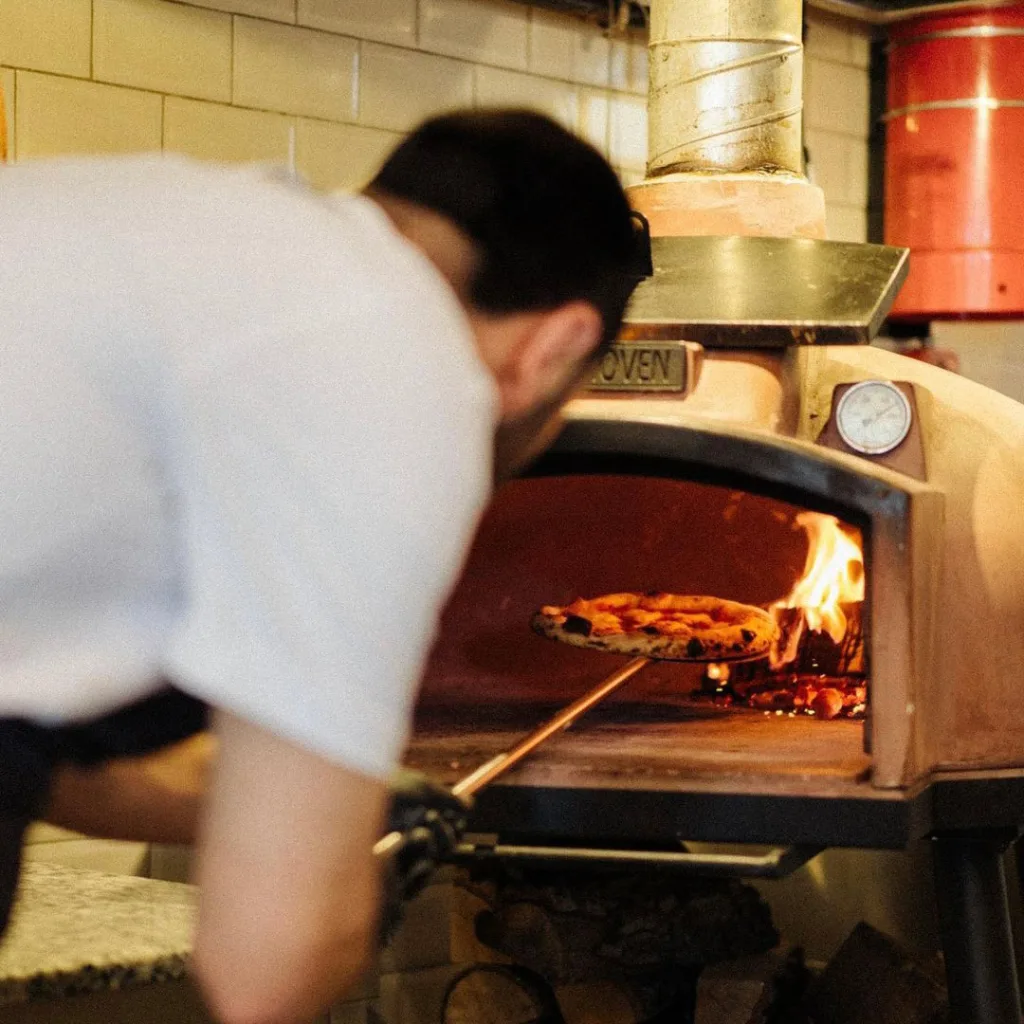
(853, 816)
(972, 818)
(659, 774)
(659, 784)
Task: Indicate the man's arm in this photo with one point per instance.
(156, 798)
(289, 886)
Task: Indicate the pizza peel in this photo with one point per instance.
(468, 786)
(471, 784)
(489, 771)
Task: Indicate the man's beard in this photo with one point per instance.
(518, 442)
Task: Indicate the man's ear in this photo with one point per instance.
(548, 355)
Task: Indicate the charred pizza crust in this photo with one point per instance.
(674, 627)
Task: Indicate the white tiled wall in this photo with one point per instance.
(481, 31)
(162, 47)
(989, 352)
(54, 115)
(7, 84)
(557, 99)
(242, 79)
(332, 82)
(401, 87)
(212, 131)
(836, 120)
(47, 35)
(627, 135)
(384, 21)
(294, 70)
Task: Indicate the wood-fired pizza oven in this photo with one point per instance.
(694, 483)
(704, 495)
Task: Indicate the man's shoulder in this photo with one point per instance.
(116, 175)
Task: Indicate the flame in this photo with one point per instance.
(833, 576)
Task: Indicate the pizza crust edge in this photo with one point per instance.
(724, 643)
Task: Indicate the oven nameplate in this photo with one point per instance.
(645, 366)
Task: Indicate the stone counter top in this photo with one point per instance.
(75, 932)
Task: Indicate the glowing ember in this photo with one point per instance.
(833, 576)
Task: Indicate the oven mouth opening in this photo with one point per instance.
(549, 539)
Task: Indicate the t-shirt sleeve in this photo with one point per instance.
(326, 495)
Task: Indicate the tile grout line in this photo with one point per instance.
(289, 117)
(387, 129)
(214, 103)
(574, 90)
(357, 83)
(530, 11)
(417, 47)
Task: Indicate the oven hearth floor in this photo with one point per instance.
(656, 773)
(650, 746)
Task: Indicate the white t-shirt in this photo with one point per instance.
(245, 438)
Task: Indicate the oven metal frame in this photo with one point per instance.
(970, 816)
(901, 520)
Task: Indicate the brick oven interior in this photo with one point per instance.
(549, 539)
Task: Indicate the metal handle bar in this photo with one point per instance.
(778, 862)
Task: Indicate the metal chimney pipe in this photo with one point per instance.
(726, 86)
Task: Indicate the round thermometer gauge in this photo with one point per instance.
(874, 417)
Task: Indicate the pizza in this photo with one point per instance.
(656, 625)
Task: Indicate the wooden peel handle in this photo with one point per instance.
(489, 771)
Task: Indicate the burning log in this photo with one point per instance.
(817, 653)
(816, 666)
(825, 679)
(831, 586)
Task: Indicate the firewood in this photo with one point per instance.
(872, 980)
(730, 1001)
(500, 994)
(578, 928)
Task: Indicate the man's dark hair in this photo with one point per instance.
(545, 209)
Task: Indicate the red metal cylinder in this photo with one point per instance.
(954, 175)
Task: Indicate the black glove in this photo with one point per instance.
(425, 826)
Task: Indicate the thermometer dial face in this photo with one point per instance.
(874, 417)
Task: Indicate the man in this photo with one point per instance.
(247, 434)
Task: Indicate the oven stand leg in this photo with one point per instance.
(974, 917)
